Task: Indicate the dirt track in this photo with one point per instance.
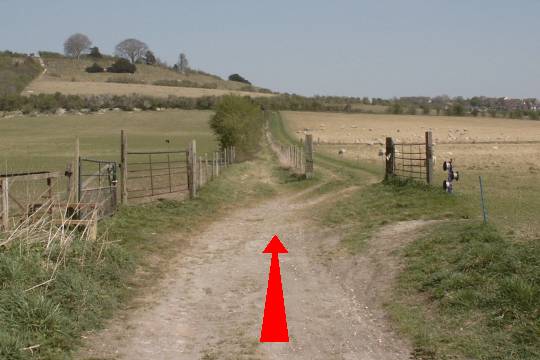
(210, 304)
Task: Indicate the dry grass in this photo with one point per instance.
(367, 128)
(46, 86)
(59, 69)
(69, 77)
(511, 171)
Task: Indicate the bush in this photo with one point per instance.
(238, 78)
(122, 66)
(238, 122)
(95, 68)
(95, 53)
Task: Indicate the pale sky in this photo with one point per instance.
(377, 48)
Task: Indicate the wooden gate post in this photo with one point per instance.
(390, 153)
(74, 192)
(124, 165)
(5, 204)
(309, 156)
(199, 165)
(429, 157)
(218, 165)
(192, 159)
(213, 165)
(69, 176)
(290, 155)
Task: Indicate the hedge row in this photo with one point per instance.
(49, 103)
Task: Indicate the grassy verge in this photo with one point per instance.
(379, 204)
(466, 291)
(97, 278)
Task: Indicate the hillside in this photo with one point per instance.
(16, 72)
(68, 76)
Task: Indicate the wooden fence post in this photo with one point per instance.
(390, 153)
(213, 165)
(225, 156)
(205, 167)
(309, 156)
(5, 204)
(429, 157)
(124, 165)
(192, 159)
(218, 158)
(200, 171)
(290, 156)
(74, 192)
(69, 187)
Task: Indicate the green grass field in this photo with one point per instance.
(47, 142)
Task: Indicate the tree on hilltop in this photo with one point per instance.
(183, 64)
(76, 45)
(131, 49)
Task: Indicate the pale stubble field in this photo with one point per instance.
(505, 152)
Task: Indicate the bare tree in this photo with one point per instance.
(76, 45)
(183, 64)
(132, 49)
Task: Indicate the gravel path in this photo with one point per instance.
(210, 304)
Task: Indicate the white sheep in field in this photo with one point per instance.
(341, 152)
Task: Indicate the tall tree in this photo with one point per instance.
(183, 64)
(76, 45)
(131, 49)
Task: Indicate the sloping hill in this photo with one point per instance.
(68, 76)
(16, 72)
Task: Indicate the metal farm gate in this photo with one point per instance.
(97, 184)
(155, 173)
(410, 160)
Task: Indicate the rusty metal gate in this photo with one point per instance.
(97, 184)
(156, 173)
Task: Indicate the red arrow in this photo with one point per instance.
(274, 325)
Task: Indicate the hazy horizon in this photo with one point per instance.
(349, 48)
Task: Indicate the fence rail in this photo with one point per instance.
(410, 160)
(92, 190)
